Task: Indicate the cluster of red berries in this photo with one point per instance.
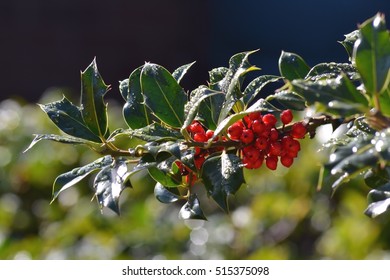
(262, 141)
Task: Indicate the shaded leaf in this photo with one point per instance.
(288, 99)
(379, 201)
(109, 184)
(331, 71)
(376, 177)
(163, 95)
(372, 54)
(163, 174)
(256, 85)
(68, 118)
(192, 209)
(292, 66)
(217, 74)
(165, 195)
(349, 42)
(179, 73)
(135, 112)
(93, 108)
(68, 179)
(222, 176)
(155, 133)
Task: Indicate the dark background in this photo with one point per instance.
(45, 43)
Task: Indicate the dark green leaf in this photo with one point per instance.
(292, 66)
(162, 173)
(336, 95)
(192, 209)
(135, 112)
(68, 118)
(379, 200)
(93, 108)
(163, 95)
(155, 133)
(222, 176)
(217, 74)
(255, 86)
(349, 42)
(288, 99)
(66, 180)
(61, 139)
(372, 54)
(179, 73)
(197, 98)
(210, 109)
(376, 177)
(165, 195)
(331, 71)
(109, 184)
(231, 84)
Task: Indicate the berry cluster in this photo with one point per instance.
(262, 141)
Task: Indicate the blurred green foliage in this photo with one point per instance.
(278, 215)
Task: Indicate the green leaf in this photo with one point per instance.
(210, 109)
(288, 99)
(260, 105)
(376, 177)
(217, 74)
(68, 179)
(338, 96)
(162, 173)
(61, 139)
(222, 176)
(93, 108)
(332, 70)
(192, 209)
(165, 195)
(179, 73)
(163, 95)
(256, 85)
(349, 42)
(197, 98)
(379, 200)
(292, 66)
(155, 133)
(68, 118)
(135, 112)
(372, 54)
(109, 184)
(230, 85)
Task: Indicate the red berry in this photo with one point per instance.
(251, 152)
(258, 127)
(270, 120)
(200, 137)
(199, 160)
(275, 149)
(235, 131)
(272, 162)
(261, 143)
(247, 136)
(298, 130)
(248, 121)
(286, 116)
(254, 116)
(209, 134)
(274, 134)
(286, 161)
(196, 127)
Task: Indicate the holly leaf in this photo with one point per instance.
(192, 209)
(332, 70)
(217, 74)
(292, 66)
(256, 85)
(67, 117)
(109, 184)
(163, 95)
(379, 201)
(165, 195)
(222, 176)
(135, 112)
(371, 54)
(93, 108)
(68, 179)
(179, 73)
(288, 99)
(349, 42)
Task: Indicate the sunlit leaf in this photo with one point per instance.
(180, 72)
(256, 85)
(349, 42)
(379, 201)
(165, 195)
(222, 176)
(192, 209)
(163, 95)
(93, 107)
(332, 70)
(292, 66)
(288, 99)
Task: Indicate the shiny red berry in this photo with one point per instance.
(272, 162)
(286, 116)
(200, 137)
(298, 130)
(275, 148)
(270, 120)
(209, 134)
(258, 127)
(247, 136)
(261, 143)
(286, 161)
(254, 116)
(251, 152)
(235, 131)
(196, 127)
